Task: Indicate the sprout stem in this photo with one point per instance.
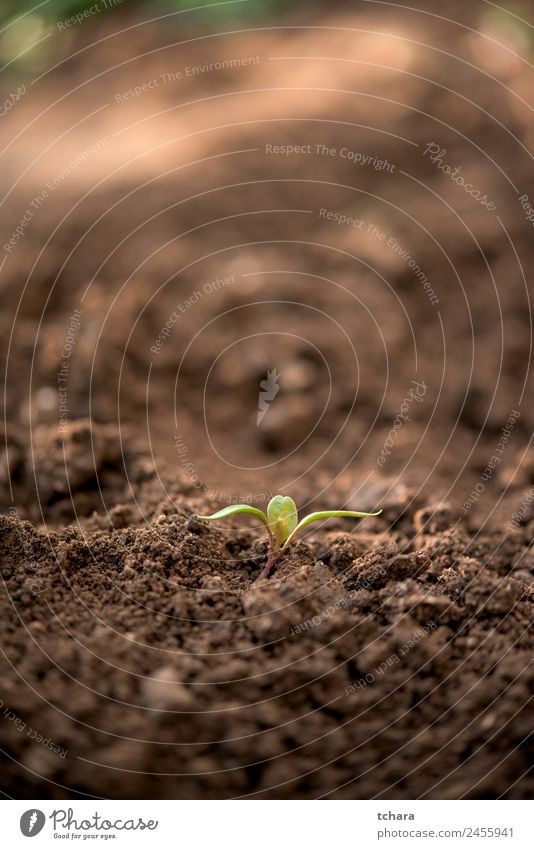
(271, 558)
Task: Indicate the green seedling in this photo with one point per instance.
(282, 523)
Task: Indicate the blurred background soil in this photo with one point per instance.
(171, 252)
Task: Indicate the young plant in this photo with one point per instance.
(282, 523)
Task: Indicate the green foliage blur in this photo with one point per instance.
(27, 26)
(57, 10)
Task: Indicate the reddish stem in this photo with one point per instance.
(271, 559)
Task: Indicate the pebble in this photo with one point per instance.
(298, 376)
(287, 422)
(165, 691)
(434, 518)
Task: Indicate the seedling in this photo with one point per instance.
(281, 522)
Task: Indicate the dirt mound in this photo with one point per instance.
(160, 665)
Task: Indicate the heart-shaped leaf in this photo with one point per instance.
(282, 517)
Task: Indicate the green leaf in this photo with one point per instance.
(233, 509)
(325, 514)
(282, 517)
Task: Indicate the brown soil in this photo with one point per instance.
(386, 659)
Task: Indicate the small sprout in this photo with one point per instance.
(282, 518)
(281, 522)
